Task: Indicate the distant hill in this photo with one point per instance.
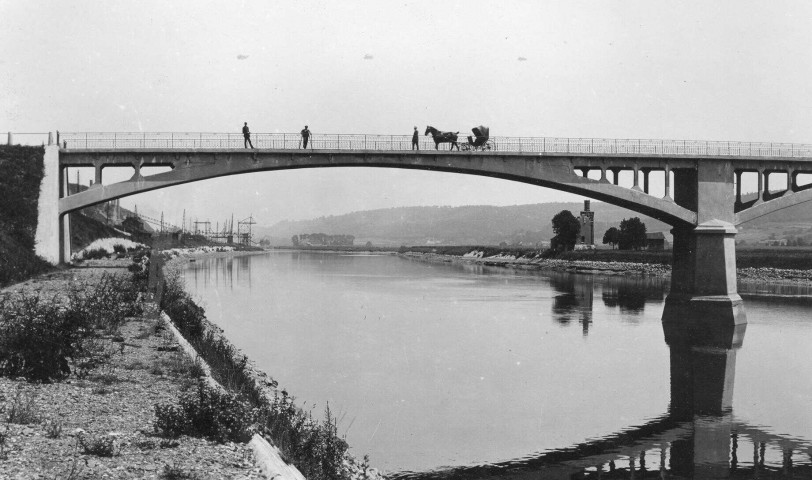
(468, 225)
(793, 224)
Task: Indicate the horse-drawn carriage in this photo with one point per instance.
(479, 141)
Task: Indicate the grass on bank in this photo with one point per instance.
(315, 447)
(21, 171)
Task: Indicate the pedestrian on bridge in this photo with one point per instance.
(246, 136)
(415, 145)
(305, 137)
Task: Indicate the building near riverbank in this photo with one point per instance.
(656, 241)
(587, 221)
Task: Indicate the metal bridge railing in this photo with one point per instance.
(550, 145)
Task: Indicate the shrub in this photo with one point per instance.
(3, 437)
(53, 428)
(91, 352)
(140, 271)
(316, 449)
(174, 472)
(227, 365)
(105, 304)
(98, 446)
(187, 316)
(23, 409)
(208, 413)
(95, 254)
(37, 339)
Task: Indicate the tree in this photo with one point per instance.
(632, 234)
(611, 236)
(566, 228)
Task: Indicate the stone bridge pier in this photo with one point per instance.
(703, 276)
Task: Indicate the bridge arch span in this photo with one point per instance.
(787, 200)
(546, 171)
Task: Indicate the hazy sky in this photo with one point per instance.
(718, 70)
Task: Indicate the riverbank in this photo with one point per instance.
(551, 264)
(100, 421)
(786, 276)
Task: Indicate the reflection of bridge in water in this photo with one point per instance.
(226, 268)
(698, 437)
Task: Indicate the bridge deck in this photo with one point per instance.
(402, 143)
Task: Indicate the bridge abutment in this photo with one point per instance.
(47, 244)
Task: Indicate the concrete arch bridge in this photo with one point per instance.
(702, 180)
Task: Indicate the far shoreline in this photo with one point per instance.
(629, 263)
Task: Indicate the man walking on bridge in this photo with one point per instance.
(247, 136)
(305, 136)
(415, 146)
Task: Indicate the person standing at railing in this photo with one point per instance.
(305, 136)
(415, 137)
(246, 134)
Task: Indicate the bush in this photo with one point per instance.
(37, 339)
(106, 304)
(95, 254)
(23, 409)
(187, 316)
(53, 428)
(208, 413)
(98, 446)
(140, 271)
(315, 449)
(41, 341)
(174, 472)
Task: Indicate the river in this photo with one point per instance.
(439, 369)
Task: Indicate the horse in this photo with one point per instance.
(442, 137)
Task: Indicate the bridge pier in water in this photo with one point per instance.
(703, 275)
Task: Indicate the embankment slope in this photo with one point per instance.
(21, 171)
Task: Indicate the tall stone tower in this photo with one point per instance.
(587, 235)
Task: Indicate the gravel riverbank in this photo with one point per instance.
(101, 424)
(749, 275)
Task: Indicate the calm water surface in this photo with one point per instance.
(461, 370)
